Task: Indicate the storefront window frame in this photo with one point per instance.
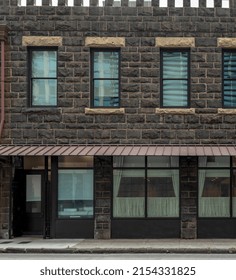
(231, 168)
(91, 217)
(147, 168)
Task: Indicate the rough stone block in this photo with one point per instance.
(93, 3)
(171, 3)
(175, 42)
(78, 2)
(104, 111)
(175, 111)
(45, 2)
(155, 3)
(105, 41)
(218, 3)
(45, 41)
(61, 2)
(226, 42)
(189, 233)
(30, 2)
(202, 3)
(109, 3)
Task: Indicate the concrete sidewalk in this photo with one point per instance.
(39, 245)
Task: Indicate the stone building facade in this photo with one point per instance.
(72, 145)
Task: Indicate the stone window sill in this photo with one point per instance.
(175, 111)
(104, 111)
(226, 111)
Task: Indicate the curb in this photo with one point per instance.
(119, 251)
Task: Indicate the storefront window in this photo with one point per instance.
(234, 193)
(75, 187)
(163, 193)
(214, 187)
(75, 193)
(214, 162)
(129, 193)
(142, 187)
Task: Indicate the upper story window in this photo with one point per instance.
(105, 78)
(43, 77)
(229, 78)
(175, 77)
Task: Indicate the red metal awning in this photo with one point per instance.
(116, 150)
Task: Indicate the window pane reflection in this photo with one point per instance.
(75, 193)
(234, 193)
(33, 193)
(129, 193)
(106, 93)
(214, 193)
(44, 92)
(163, 193)
(106, 64)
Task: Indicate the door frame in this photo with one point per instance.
(32, 216)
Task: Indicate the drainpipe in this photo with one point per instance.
(2, 86)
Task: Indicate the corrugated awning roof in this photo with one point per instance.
(115, 150)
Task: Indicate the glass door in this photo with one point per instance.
(34, 214)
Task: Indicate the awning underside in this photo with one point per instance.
(115, 150)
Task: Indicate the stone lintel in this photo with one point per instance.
(226, 111)
(105, 42)
(175, 111)
(226, 42)
(41, 41)
(104, 111)
(175, 42)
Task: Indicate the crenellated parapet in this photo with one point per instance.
(123, 3)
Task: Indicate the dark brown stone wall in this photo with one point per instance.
(140, 70)
(140, 89)
(5, 182)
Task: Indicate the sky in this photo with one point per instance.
(163, 3)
